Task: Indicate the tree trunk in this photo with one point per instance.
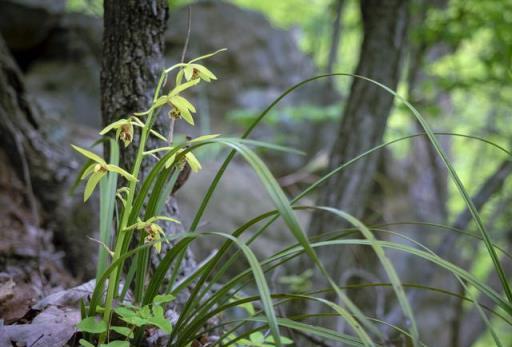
(367, 110)
(133, 47)
(31, 176)
(45, 168)
(42, 166)
(132, 60)
(332, 58)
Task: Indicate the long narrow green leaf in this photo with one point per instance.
(262, 285)
(482, 287)
(214, 261)
(460, 186)
(386, 264)
(107, 191)
(430, 135)
(283, 205)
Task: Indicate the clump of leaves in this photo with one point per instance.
(137, 207)
(151, 315)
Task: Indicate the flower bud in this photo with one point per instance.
(174, 113)
(126, 133)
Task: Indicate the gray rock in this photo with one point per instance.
(239, 197)
(65, 78)
(261, 61)
(26, 23)
(53, 327)
(260, 64)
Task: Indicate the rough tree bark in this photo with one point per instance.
(133, 47)
(31, 176)
(132, 59)
(427, 186)
(363, 123)
(43, 167)
(367, 110)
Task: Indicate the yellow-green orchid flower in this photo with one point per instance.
(98, 170)
(180, 107)
(124, 130)
(190, 158)
(154, 232)
(194, 72)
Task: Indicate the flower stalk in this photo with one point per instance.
(189, 75)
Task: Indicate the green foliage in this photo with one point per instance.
(148, 315)
(139, 206)
(91, 7)
(92, 325)
(291, 114)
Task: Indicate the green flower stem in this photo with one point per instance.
(114, 277)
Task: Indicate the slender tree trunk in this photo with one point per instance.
(437, 316)
(367, 110)
(363, 123)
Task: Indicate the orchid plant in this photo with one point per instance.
(175, 157)
(112, 318)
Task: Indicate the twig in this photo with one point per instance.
(183, 53)
(171, 130)
(189, 24)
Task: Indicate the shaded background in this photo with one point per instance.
(450, 58)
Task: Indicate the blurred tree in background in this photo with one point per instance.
(452, 59)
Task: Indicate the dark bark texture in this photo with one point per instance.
(133, 43)
(133, 47)
(31, 174)
(43, 167)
